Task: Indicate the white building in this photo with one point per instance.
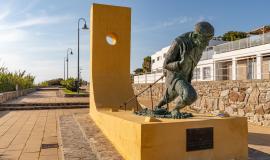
(158, 58)
(243, 59)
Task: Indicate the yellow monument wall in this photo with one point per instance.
(133, 136)
(110, 80)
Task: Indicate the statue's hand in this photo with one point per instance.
(165, 72)
(173, 66)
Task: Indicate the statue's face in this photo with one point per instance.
(207, 37)
(202, 39)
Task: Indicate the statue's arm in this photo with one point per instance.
(174, 58)
(173, 66)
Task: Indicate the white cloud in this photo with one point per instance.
(29, 6)
(13, 35)
(4, 14)
(37, 50)
(169, 23)
(175, 21)
(172, 22)
(203, 18)
(35, 21)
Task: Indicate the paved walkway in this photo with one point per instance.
(31, 135)
(26, 135)
(47, 96)
(259, 142)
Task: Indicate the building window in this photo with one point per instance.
(153, 61)
(209, 48)
(206, 73)
(250, 69)
(196, 73)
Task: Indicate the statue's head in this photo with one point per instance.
(205, 30)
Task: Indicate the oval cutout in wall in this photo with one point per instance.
(111, 39)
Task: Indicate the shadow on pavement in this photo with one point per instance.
(259, 139)
(2, 114)
(254, 154)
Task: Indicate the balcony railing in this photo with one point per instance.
(243, 43)
(207, 55)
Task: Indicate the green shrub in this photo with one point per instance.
(43, 84)
(69, 84)
(54, 82)
(9, 80)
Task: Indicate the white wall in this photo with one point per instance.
(157, 65)
(148, 78)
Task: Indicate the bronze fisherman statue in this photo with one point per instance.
(181, 59)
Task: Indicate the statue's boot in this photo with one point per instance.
(176, 114)
(160, 111)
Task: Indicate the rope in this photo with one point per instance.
(149, 87)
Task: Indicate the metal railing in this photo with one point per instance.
(243, 43)
(124, 104)
(147, 78)
(207, 55)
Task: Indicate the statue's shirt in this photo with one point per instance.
(182, 58)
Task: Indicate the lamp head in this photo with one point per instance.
(85, 26)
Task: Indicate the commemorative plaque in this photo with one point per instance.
(199, 139)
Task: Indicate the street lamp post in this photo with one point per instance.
(69, 51)
(84, 27)
(64, 68)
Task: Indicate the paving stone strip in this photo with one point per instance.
(11, 108)
(46, 97)
(72, 142)
(100, 145)
(41, 104)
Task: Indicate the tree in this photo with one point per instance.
(138, 71)
(234, 35)
(146, 64)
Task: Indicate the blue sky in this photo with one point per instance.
(35, 34)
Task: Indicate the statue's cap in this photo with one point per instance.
(205, 28)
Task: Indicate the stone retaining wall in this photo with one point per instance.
(6, 96)
(237, 98)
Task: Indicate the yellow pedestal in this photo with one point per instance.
(137, 137)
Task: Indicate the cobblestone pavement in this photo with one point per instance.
(74, 145)
(100, 145)
(31, 135)
(47, 96)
